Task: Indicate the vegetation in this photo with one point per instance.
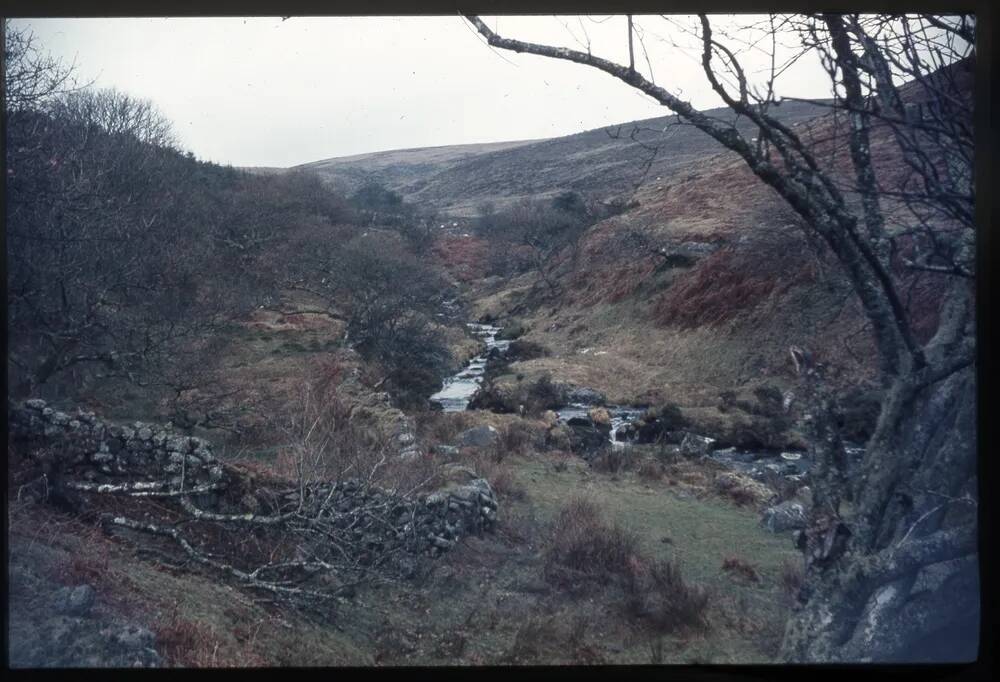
(857, 556)
(824, 301)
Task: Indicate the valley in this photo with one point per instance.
(683, 390)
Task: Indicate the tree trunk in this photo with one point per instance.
(898, 580)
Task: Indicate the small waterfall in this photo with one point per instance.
(459, 388)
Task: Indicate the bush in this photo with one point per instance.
(610, 460)
(581, 541)
(650, 470)
(791, 577)
(544, 394)
(525, 350)
(516, 437)
(584, 547)
(658, 594)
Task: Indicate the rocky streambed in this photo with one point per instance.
(591, 423)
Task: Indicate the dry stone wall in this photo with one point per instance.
(98, 456)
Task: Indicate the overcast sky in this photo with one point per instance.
(267, 92)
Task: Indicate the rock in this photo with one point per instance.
(445, 450)
(75, 601)
(694, 445)
(737, 485)
(145, 433)
(134, 637)
(587, 440)
(789, 515)
(443, 543)
(479, 437)
(411, 452)
(586, 396)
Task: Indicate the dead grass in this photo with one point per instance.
(726, 284)
(741, 568)
(188, 644)
(582, 545)
(651, 470)
(499, 474)
(658, 593)
(583, 548)
(790, 578)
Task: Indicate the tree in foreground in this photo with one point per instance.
(890, 550)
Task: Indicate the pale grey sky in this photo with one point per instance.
(266, 92)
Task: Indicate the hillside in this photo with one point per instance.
(598, 399)
(605, 162)
(399, 168)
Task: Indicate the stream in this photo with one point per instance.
(620, 416)
(459, 388)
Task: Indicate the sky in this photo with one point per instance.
(270, 92)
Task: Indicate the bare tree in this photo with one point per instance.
(895, 570)
(31, 76)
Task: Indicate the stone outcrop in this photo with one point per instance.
(789, 515)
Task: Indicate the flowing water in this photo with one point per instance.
(459, 389)
(620, 416)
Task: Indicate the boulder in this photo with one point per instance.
(586, 440)
(445, 450)
(479, 437)
(694, 445)
(585, 396)
(75, 601)
(789, 515)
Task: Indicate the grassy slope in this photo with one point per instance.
(640, 332)
(483, 603)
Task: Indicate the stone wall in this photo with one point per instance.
(141, 459)
(102, 452)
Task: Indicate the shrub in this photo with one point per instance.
(610, 460)
(525, 350)
(190, 645)
(544, 394)
(650, 470)
(583, 542)
(790, 578)
(658, 594)
(516, 437)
